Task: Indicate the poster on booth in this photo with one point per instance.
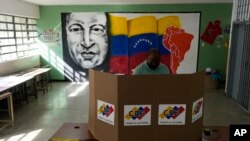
(172, 114)
(197, 109)
(106, 112)
(137, 115)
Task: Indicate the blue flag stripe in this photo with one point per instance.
(119, 45)
(142, 43)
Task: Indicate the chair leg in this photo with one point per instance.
(43, 86)
(34, 88)
(9, 106)
(11, 110)
(24, 86)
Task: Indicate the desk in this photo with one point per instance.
(38, 75)
(9, 82)
(15, 80)
(68, 131)
(35, 71)
(12, 81)
(18, 80)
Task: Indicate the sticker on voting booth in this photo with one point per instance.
(197, 109)
(172, 114)
(137, 115)
(106, 112)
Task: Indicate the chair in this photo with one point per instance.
(42, 80)
(47, 78)
(41, 83)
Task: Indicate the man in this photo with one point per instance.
(152, 65)
(87, 42)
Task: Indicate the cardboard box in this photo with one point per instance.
(146, 107)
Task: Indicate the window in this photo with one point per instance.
(17, 37)
(243, 10)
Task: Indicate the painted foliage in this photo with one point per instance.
(118, 42)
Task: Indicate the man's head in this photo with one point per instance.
(154, 57)
(87, 38)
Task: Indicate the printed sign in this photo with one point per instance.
(172, 114)
(197, 109)
(137, 115)
(106, 112)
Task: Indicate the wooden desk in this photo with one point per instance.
(38, 75)
(9, 82)
(19, 80)
(73, 131)
(12, 81)
(36, 71)
(68, 131)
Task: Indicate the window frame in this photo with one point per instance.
(25, 40)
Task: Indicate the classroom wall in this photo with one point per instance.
(19, 64)
(19, 8)
(213, 56)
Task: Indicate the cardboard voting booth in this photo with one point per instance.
(146, 107)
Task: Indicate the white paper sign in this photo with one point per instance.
(137, 115)
(197, 109)
(172, 114)
(106, 112)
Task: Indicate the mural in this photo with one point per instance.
(118, 42)
(85, 43)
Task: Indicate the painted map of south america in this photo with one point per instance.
(178, 42)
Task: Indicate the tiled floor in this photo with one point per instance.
(68, 102)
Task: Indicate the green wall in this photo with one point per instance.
(209, 56)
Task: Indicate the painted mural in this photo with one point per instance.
(85, 43)
(118, 42)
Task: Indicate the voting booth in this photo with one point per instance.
(146, 107)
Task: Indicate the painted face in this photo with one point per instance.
(87, 38)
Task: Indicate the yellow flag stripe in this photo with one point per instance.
(140, 25)
(118, 25)
(165, 22)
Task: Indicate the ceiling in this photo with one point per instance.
(85, 2)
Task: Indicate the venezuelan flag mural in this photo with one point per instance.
(119, 45)
(118, 42)
(133, 34)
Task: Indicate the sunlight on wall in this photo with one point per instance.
(51, 57)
